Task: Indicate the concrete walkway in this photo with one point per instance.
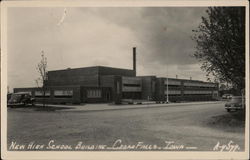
(105, 106)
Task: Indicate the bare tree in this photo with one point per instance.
(42, 69)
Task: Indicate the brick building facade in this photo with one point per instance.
(106, 84)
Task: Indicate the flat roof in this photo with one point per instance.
(90, 67)
(190, 80)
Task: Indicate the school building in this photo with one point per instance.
(107, 84)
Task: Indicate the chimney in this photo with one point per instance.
(190, 78)
(134, 59)
(176, 76)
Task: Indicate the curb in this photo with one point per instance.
(142, 106)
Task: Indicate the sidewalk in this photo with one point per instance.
(105, 106)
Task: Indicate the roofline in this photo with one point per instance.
(187, 80)
(90, 67)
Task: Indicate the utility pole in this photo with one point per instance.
(167, 86)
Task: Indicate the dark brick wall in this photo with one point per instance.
(87, 71)
(116, 71)
(79, 76)
(159, 94)
(108, 81)
(89, 76)
(148, 84)
(92, 80)
(117, 89)
(113, 82)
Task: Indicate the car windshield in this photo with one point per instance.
(236, 99)
(15, 97)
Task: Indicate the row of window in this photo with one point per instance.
(132, 85)
(56, 93)
(169, 82)
(173, 86)
(178, 95)
(199, 87)
(41, 93)
(94, 93)
(189, 92)
(190, 84)
(91, 93)
(199, 84)
(172, 92)
(194, 87)
(198, 92)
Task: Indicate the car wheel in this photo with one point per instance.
(228, 110)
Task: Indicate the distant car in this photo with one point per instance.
(20, 99)
(227, 96)
(235, 103)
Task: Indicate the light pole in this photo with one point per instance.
(167, 91)
(167, 85)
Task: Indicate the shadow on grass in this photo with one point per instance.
(231, 122)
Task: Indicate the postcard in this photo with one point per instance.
(125, 79)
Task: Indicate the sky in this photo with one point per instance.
(86, 36)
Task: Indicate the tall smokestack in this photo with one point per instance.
(134, 59)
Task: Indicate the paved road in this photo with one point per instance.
(178, 126)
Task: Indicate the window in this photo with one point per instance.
(172, 92)
(41, 94)
(63, 93)
(201, 92)
(94, 93)
(173, 86)
(132, 85)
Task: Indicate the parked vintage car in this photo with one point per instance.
(227, 96)
(235, 103)
(20, 99)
